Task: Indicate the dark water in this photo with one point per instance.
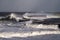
(8, 13)
(21, 13)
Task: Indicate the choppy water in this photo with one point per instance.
(20, 31)
(12, 30)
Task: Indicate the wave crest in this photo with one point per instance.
(11, 16)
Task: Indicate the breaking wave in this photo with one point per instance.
(11, 17)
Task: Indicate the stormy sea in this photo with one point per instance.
(12, 29)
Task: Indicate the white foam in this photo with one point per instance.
(35, 33)
(43, 26)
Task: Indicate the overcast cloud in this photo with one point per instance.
(29, 5)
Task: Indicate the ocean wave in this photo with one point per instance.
(11, 17)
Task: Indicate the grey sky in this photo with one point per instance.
(29, 5)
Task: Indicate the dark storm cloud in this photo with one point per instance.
(29, 5)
